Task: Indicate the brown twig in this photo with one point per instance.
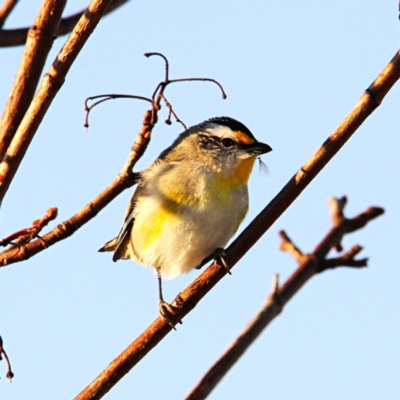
(71, 225)
(6, 9)
(309, 265)
(158, 94)
(27, 234)
(172, 112)
(125, 179)
(106, 97)
(156, 98)
(39, 41)
(188, 299)
(345, 260)
(290, 247)
(9, 374)
(17, 37)
(49, 87)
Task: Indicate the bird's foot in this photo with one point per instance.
(167, 311)
(218, 255)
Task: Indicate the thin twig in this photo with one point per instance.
(39, 41)
(9, 374)
(224, 96)
(188, 299)
(172, 112)
(17, 37)
(345, 260)
(158, 93)
(156, 98)
(49, 87)
(125, 179)
(71, 225)
(27, 234)
(309, 265)
(106, 97)
(290, 247)
(6, 9)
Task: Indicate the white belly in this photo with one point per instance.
(177, 242)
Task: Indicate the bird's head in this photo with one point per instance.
(223, 144)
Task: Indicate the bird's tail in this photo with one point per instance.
(109, 246)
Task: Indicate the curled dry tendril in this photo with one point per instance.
(156, 98)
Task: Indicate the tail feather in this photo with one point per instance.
(109, 246)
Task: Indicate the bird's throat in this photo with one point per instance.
(242, 172)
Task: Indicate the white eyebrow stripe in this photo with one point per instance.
(221, 131)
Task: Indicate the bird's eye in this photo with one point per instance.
(227, 142)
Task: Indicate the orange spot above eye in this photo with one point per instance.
(243, 138)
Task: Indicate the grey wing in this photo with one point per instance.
(122, 239)
(120, 245)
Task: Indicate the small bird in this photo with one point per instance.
(190, 201)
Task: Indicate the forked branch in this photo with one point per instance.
(308, 266)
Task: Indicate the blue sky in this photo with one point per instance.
(292, 71)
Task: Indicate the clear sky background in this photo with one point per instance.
(292, 71)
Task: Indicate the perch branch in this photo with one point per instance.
(188, 299)
(49, 87)
(39, 41)
(308, 266)
(17, 37)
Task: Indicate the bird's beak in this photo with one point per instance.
(257, 148)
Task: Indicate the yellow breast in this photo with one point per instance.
(152, 228)
(238, 177)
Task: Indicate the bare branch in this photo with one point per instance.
(126, 178)
(50, 85)
(39, 41)
(345, 226)
(188, 299)
(6, 9)
(309, 265)
(70, 226)
(17, 37)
